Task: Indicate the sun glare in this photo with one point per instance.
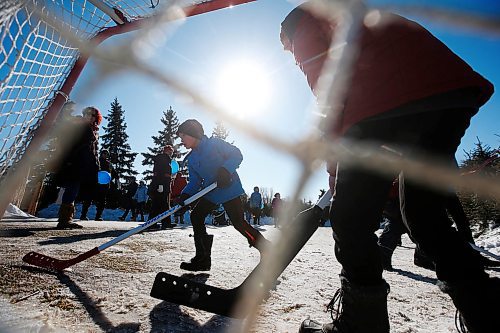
(243, 89)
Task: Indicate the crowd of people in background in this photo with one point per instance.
(87, 175)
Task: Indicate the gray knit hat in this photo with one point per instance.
(191, 127)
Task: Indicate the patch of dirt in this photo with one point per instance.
(16, 280)
(146, 246)
(120, 263)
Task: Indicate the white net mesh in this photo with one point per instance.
(36, 58)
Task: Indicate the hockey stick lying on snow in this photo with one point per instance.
(485, 252)
(197, 295)
(44, 261)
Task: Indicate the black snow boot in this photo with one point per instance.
(202, 261)
(354, 309)
(386, 257)
(83, 215)
(98, 215)
(477, 303)
(420, 259)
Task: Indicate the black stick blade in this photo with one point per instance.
(196, 295)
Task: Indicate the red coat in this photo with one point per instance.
(178, 185)
(399, 62)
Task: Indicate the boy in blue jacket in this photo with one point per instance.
(213, 160)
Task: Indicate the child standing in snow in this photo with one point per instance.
(213, 160)
(140, 197)
(256, 205)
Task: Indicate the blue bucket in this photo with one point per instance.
(103, 177)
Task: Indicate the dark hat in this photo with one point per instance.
(191, 127)
(308, 10)
(289, 24)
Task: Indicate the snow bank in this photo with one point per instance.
(14, 212)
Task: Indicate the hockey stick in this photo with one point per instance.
(485, 252)
(41, 260)
(182, 291)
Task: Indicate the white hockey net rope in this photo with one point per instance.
(43, 40)
(44, 47)
(36, 59)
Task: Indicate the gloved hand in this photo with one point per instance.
(223, 178)
(180, 200)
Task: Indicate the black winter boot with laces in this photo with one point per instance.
(477, 303)
(354, 309)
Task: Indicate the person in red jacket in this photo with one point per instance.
(178, 184)
(408, 91)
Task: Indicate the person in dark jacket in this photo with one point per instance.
(406, 91)
(213, 160)
(256, 205)
(80, 163)
(97, 192)
(129, 204)
(276, 204)
(159, 188)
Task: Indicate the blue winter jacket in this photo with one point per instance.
(141, 194)
(203, 163)
(255, 200)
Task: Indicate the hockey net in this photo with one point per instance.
(44, 47)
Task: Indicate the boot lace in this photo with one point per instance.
(459, 323)
(335, 305)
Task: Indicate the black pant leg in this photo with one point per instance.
(200, 211)
(355, 216)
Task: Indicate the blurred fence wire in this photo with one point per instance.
(77, 27)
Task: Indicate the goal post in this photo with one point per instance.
(39, 66)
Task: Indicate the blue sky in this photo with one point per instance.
(204, 48)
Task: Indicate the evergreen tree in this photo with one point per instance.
(481, 211)
(166, 136)
(220, 130)
(115, 140)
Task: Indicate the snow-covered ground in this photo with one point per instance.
(110, 291)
